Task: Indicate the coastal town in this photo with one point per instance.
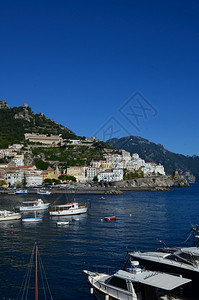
(111, 169)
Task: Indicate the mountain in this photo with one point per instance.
(152, 152)
(17, 121)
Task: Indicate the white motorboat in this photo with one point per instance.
(7, 215)
(43, 192)
(33, 205)
(68, 209)
(180, 261)
(135, 284)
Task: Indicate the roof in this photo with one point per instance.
(156, 279)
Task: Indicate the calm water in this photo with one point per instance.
(143, 218)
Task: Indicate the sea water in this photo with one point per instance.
(145, 220)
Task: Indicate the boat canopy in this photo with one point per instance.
(155, 279)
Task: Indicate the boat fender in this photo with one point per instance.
(91, 291)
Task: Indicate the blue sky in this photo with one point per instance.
(106, 68)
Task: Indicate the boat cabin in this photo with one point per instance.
(68, 206)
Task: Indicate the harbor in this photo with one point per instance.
(144, 221)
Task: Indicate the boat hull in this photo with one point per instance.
(32, 220)
(69, 212)
(15, 216)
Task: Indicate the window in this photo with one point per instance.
(118, 282)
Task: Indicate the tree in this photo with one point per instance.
(65, 177)
(41, 165)
(95, 178)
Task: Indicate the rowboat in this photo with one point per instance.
(32, 220)
(111, 218)
(62, 223)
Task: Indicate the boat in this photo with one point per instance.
(135, 283)
(43, 192)
(37, 204)
(62, 223)
(21, 192)
(183, 261)
(68, 209)
(35, 273)
(32, 220)
(111, 218)
(7, 215)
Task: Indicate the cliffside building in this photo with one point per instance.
(44, 139)
(3, 104)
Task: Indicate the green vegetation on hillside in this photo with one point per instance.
(14, 126)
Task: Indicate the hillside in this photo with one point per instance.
(17, 121)
(152, 152)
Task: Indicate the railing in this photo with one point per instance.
(112, 291)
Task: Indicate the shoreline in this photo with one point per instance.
(105, 191)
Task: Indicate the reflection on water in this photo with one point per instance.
(143, 218)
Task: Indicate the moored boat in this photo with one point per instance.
(135, 283)
(182, 261)
(111, 218)
(35, 219)
(37, 204)
(21, 192)
(7, 215)
(62, 223)
(43, 192)
(68, 209)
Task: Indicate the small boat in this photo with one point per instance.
(68, 209)
(111, 218)
(12, 192)
(135, 283)
(33, 205)
(43, 192)
(7, 215)
(21, 192)
(62, 223)
(35, 274)
(32, 220)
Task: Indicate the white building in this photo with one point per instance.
(34, 180)
(14, 177)
(152, 168)
(110, 175)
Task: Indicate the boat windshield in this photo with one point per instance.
(181, 258)
(118, 282)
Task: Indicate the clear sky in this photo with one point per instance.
(106, 67)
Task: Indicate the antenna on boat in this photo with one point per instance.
(163, 243)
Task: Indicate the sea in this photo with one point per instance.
(145, 220)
